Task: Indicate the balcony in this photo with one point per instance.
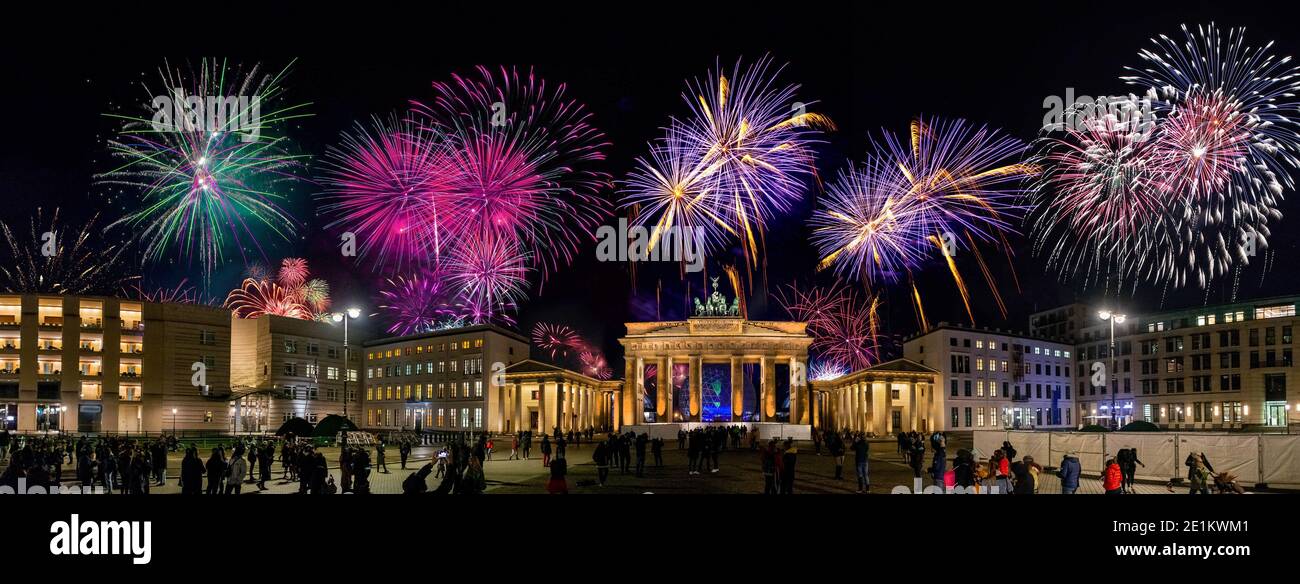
(92, 324)
(51, 322)
(10, 371)
(10, 345)
(130, 374)
(10, 321)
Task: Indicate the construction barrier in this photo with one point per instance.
(1256, 459)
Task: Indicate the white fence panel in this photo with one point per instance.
(1238, 455)
(1033, 444)
(1281, 460)
(986, 441)
(1086, 445)
(1154, 450)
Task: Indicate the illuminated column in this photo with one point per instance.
(798, 393)
(543, 409)
(769, 388)
(630, 385)
(561, 402)
(663, 381)
(695, 389)
(916, 416)
(517, 393)
(737, 391)
(881, 417)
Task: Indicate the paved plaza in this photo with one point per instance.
(739, 473)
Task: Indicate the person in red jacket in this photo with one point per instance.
(1113, 479)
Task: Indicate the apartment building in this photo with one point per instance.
(438, 380)
(284, 368)
(102, 364)
(997, 379)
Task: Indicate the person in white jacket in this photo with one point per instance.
(238, 467)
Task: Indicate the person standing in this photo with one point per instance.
(380, 465)
(404, 451)
(657, 448)
(641, 441)
(788, 459)
(836, 447)
(216, 468)
(601, 458)
(1128, 463)
(237, 470)
(768, 459)
(546, 451)
(860, 449)
(191, 473)
(1069, 473)
(1113, 479)
(514, 448)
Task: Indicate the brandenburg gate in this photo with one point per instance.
(716, 367)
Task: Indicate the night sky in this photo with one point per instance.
(867, 69)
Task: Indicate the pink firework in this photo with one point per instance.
(414, 305)
(842, 323)
(521, 152)
(293, 272)
(1204, 142)
(556, 338)
(389, 184)
(594, 365)
(488, 275)
(256, 298)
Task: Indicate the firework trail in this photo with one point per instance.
(182, 293)
(520, 162)
(79, 260)
(842, 323)
(208, 184)
(562, 341)
(391, 184)
(1193, 193)
(740, 158)
(488, 275)
(557, 339)
(293, 294)
(826, 371)
(414, 304)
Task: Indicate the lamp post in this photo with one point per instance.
(173, 421)
(1114, 319)
(344, 317)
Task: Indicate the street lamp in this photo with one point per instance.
(173, 422)
(343, 317)
(1114, 389)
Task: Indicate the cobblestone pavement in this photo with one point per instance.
(739, 472)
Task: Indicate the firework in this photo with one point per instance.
(826, 371)
(51, 258)
(671, 189)
(869, 225)
(316, 294)
(738, 160)
(1186, 199)
(563, 341)
(1100, 206)
(520, 156)
(842, 323)
(257, 298)
(208, 183)
(594, 365)
(182, 293)
(293, 293)
(414, 305)
(391, 185)
(488, 275)
(558, 339)
(293, 272)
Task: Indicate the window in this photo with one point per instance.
(968, 417)
(955, 419)
(332, 373)
(291, 369)
(979, 416)
(207, 337)
(1276, 311)
(290, 346)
